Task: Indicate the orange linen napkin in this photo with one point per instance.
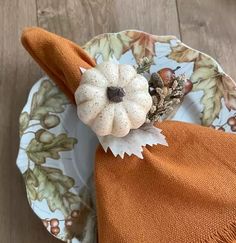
(60, 58)
(182, 193)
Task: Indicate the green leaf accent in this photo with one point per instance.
(47, 145)
(31, 183)
(182, 53)
(24, 122)
(108, 45)
(54, 188)
(47, 99)
(209, 81)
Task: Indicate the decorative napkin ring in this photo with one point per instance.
(121, 102)
(113, 99)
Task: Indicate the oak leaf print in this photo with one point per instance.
(47, 145)
(55, 187)
(47, 99)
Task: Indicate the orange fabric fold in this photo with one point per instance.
(182, 193)
(60, 58)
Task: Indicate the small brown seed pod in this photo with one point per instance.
(156, 81)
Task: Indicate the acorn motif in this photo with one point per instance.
(232, 123)
(54, 222)
(168, 75)
(50, 121)
(44, 136)
(188, 86)
(156, 81)
(55, 230)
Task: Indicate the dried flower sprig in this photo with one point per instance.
(166, 89)
(143, 65)
(165, 95)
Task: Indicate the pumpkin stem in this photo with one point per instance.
(115, 94)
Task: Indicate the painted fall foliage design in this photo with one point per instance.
(47, 141)
(207, 75)
(116, 44)
(42, 181)
(47, 145)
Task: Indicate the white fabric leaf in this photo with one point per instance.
(133, 142)
(82, 70)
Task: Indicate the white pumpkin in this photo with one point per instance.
(112, 99)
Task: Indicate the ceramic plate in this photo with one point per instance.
(56, 153)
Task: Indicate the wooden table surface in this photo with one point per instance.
(207, 25)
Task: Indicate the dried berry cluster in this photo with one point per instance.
(54, 223)
(167, 92)
(231, 123)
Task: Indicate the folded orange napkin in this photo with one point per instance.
(182, 193)
(60, 58)
(185, 192)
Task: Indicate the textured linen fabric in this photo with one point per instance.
(185, 192)
(60, 58)
(182, 193)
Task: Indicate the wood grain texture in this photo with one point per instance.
(209, 26)
(17, 74)
(81, 20)
(77, 20)
(206, 25)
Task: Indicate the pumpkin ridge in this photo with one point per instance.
(144, 82)
(112, 123)
(77, 94)
(112, 126)
(94, 120)
(129, 93)
(135, 102)
(107, 78)
(93, 117)
(140, 110)
(92, 86)
(132, 125)
(128, 125)
(95, 71)
(99, 71)
(130, 79)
